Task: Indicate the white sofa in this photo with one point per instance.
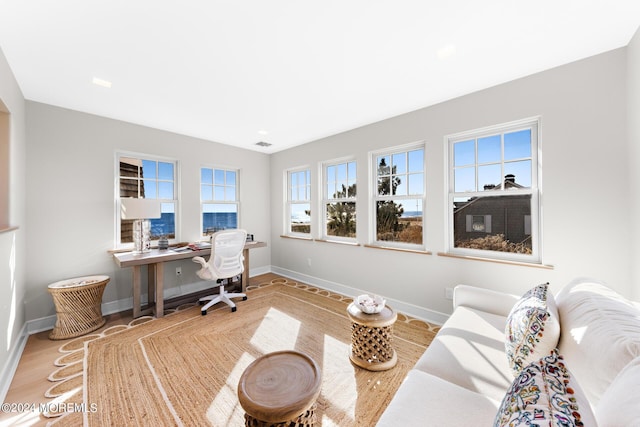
(464, 374)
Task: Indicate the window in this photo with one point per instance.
(218, 199)
(399, 196)
(479, 223)
(147, 178)
(339, 200)
(298, 212)
(493, 192)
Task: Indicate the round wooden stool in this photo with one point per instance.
(372, 338)
(280, 389)
(78, 306)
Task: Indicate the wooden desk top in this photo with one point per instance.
(129, 259)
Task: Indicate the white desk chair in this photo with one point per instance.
(225, 262)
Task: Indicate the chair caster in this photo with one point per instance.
(244, 298)
(233, 309)
(203, 312)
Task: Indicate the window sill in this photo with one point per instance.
(338, 242)
(498, 261)
(7, 229)
(388, 248)
(284, 236)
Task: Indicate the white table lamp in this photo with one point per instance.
(140, 210)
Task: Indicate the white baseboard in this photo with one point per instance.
(430, 316)
(10, 367)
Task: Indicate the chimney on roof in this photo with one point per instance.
(489, 186)
(510, 178)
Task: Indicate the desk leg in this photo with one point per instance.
(245, 273)
(151, 284)
(159, 273)
(136, 292)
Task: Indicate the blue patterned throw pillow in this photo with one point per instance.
(545, 394)
(532, 329)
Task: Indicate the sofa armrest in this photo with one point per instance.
(486, 300)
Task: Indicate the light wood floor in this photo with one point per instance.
(36, 364)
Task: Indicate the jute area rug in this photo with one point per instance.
(183, 369)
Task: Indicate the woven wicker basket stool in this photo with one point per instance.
(280, 389)
(78, 306)
(372, 338)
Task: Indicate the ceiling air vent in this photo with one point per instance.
(263, 144)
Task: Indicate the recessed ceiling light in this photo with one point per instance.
(446, 51)
(263, 144)
(102, 82)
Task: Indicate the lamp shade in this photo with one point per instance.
(131, 208)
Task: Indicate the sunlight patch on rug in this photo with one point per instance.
(225, 407)
(276, 331)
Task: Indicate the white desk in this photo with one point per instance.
(154, 260)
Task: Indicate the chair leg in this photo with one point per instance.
(221, 297)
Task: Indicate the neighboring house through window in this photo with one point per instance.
(147, 177)
(219, 199)
(339, 200)
(493, 198)
(298, 202)
(399, 196)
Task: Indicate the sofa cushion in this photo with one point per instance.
(469, 351)
(426, 400)
(619, 404)
(532, 328)
(545, 391)
(600, 334)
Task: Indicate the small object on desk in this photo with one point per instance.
(182, 249)
(196, 246)
(163, 243)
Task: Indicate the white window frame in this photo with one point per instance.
(289, 201)
(327, 199)
(374, 197)
(236, 200)
(175, 201)
(534, 191)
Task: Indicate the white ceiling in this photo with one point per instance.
(225, 70)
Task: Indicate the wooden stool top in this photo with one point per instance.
(279, 386)
(386, 317)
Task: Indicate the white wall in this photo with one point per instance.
(12, 243)
(633, 117)
(585, 189)
(70, 198)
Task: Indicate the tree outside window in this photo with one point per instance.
(399, 197)
(340, 200)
